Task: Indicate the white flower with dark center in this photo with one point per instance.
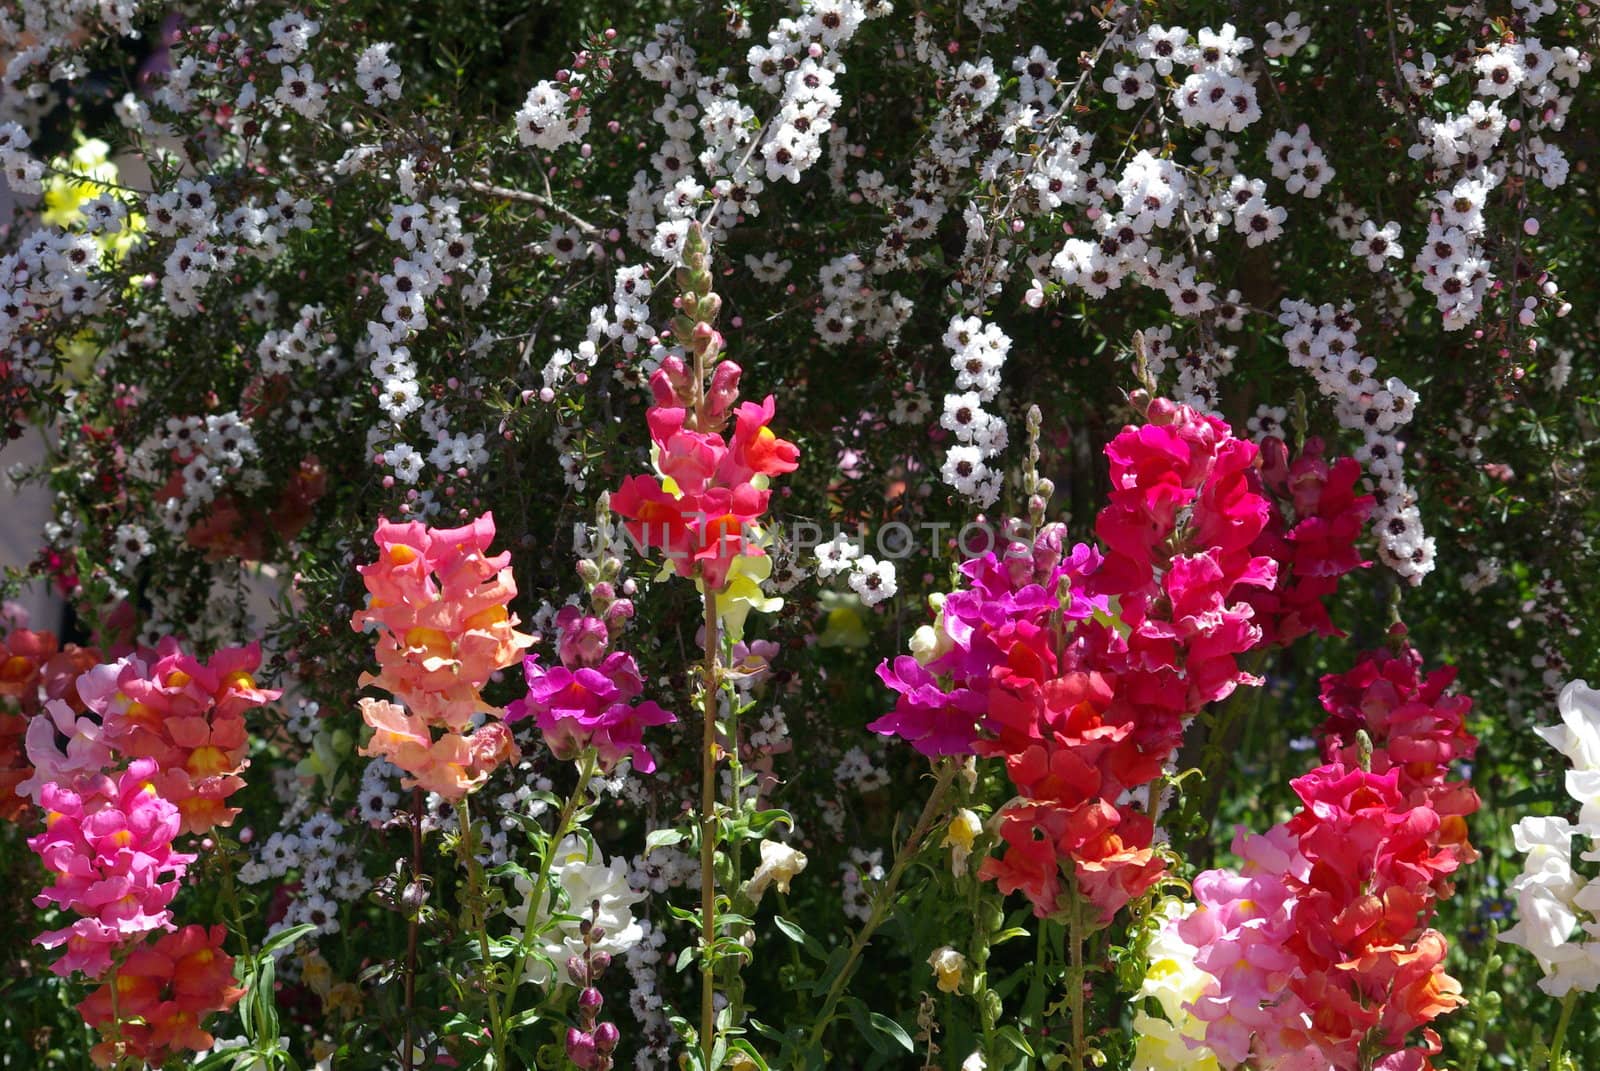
(132, 544)
(1378, 244)
(405, 461)
(1500, 70)
(872, 580)
(1131, 84)
(302, 92)
(378, 75)
(836, 555)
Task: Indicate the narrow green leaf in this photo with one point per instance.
(894, 1030)
(287, 937)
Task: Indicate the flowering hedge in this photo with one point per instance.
(968, 535)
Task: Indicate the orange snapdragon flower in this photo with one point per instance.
(451, 765)
(164, 991)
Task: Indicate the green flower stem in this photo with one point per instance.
(1075, 937)
(1567, 1004)
(413, 924)
(1480, 1006)
(519, 963)
(708, 837)
(885, 895)
(480, 923)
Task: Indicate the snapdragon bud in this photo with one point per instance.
(708, 308)
(577, 970)
(590, 999)
(705, 340)
(724, 387)
(413, 896)
(581, 1049)
(606, 1036)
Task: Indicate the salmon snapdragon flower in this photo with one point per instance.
(186, 714)
(37, 674)
(437, 601)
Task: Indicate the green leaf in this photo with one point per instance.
(894, 1030)
(1013, 1037)
(662, 838)
(864, 1025)
(284, 938)
(794, 933)
(744, 1046)
(263, 1006)
(761, 820)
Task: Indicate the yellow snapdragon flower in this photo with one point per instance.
(1174, 981)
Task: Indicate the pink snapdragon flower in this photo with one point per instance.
(186, 714)
(76, 765)
(111, 853)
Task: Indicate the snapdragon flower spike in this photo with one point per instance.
(1415, 729)
(1552, 898)
(188, 716)
(1317, 548)
(706, 494)
(1320, 947)
(1018, 667)
(438, 601)
(1180, 529)
(110, 852)
(944, 693)
(591, 699)
(163, 992)
(708, 490)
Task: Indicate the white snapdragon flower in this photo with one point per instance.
(595, 891)
(1578, 738)
(779, 865)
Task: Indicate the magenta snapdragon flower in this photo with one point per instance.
(590, 700)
